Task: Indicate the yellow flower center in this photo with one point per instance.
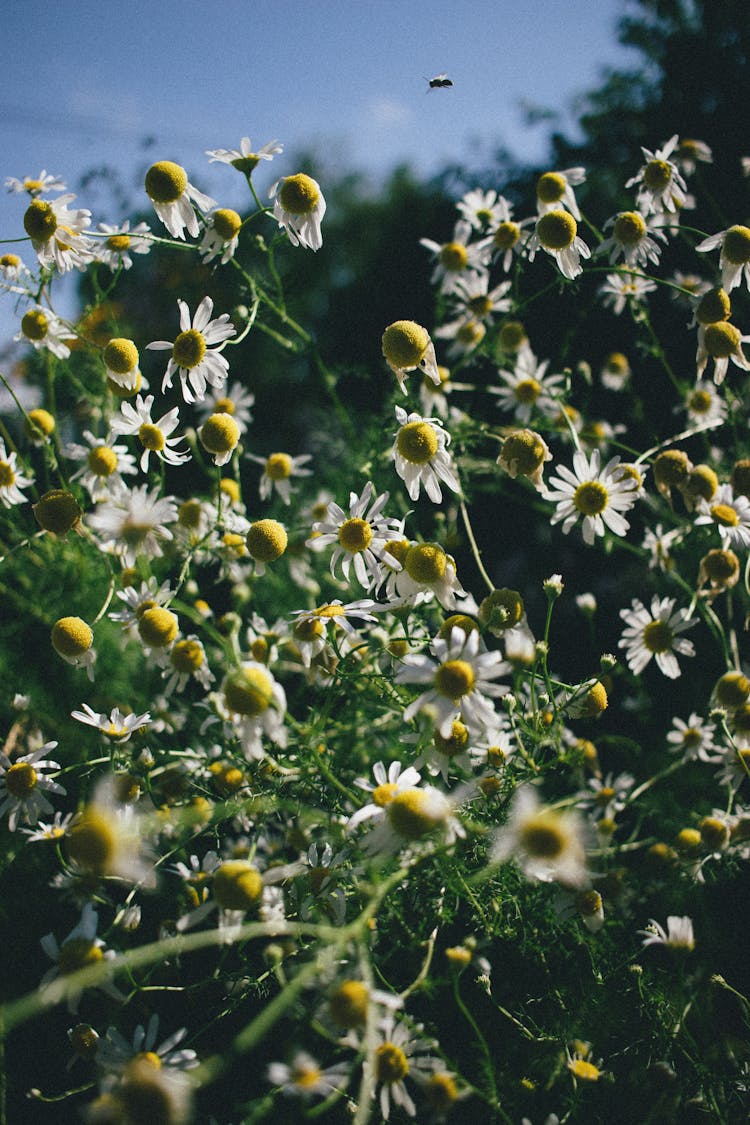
(526, 449)
(355, 535)
(150, 1058)
(426, 563)
(165, 182)
(39, 222)
(441, 1091)
(71, 636)
(454, 678)
(383, 794)
(219, 434)
(583, 1070)
(732, 690)
(714, 306)
(481, 305)
(699, 402)
(405, 343)
(453, 257)
(391, 1064)
(34, 325)
(588, 903)
(231, 489)
(714, 832)
(118, 243)
(550, 187)
(39, 424)
(629, 228)
(227, 223)
(102, 461)
(266, 540)
(736, 245)
(234, 543)
(20, 780)
(725, 515)
(506, 235)
(456, 742)
(151, 437)
(237, 885)
(121, 356)
(58, 511)
(187, 656)
(158, 627)
(189, 514)
(471, 333)
(527, 390)
(224, 406)
(279, 466)
(299, 194)
(657, 636)
(556, 230)
(541, 837)
(91, 842)
(78, 953)
(305, 1075)
(7, 476)
(189, 348)
(657, 175)
(591, 498)
(412, 814)
(348, 1003)
(308, 629)
(512, 336)
(249, 691)
(721, 340)
(417, 442)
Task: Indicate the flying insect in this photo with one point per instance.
(439, 82)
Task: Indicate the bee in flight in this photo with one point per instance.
(439, 82)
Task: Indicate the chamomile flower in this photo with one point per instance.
(45, 332)
(186, 660)
(232, 399)
(474, 300)
(114, 1051)
(116, 724)
(193, 358)
(137, 599)
(659, 543)
(310, 632)
(35, 185)
(458, 258)
(108, 838)
(387, 784)
(134, 522)
(255, 704)
(704, 406)
(678, 935)
(421, 456)
(632, 239)
(72, 639)
(299, 207)
(547, 843)
(528, 387)
(56, 233)
(556, 232)
(219, 435)
(304, 1078)
(406, 347)
(484, 210)
(691, 152)
(427, 572)
(554, 190)
(694, 739)
(79, 950)
(174, 197)
(49, 832)
(105, 462)
(730, 513)
(625, 289)
(24, 787)
(594, 495)
(360, 537)
(244, 159)
(11, 480)
(660, 184)
(121, 358)
(396, 1057)
(153, 436)
(121, 242)
(734, 261)
(720, 342)
(460, 679)
(221, 235)
(12, 269)
(506, 239)
(278, 469)
(655, 632)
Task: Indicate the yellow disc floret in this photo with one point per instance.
(227, 223)
(158, 627)
(279, 466)
(299, 194)
(38, 424)
(405, 343)
(591, 498)
(736, 245)
(34, 325)
(454, 678)
(266, 540)
(722, 340)
(248, 691)
(355, 535)
(71, 637)
(187, 656)
(713, 307)
(165, 182)
(391, 1064)
(629, 228)
(189, 348)
(557, 230)
(417, 442)
(121, 356)
(426, 562)
(348, 1003)
(453, 257)
(550, 188)
(91, 842)
(219, 434)
(20, 780)
(237, 885)
(40, 222)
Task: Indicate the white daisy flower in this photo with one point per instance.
(460, 678)
(720, 342)
(424, 571)
(134, 522)
(659, 543)
(196, 363)
(105, 463)
(396, 1057)
(310, 630)
(121, 242)
(506, 237)
(255, 704)
(221, 235)
(360, 536)
(621, 289)
(138, 599)
(691, 152)
(596, 496)
(458, 258)
(694, 739)
(475, 300)
(243, 158)
(678, 934)
(108, 838)
(704, 406)
(232, 399)
(173, 197)
(484, 210)
(186, 660)
(116, 724)
(23, 785)
(421, 456)
(45, 332)
(35, 185)
(528, 387)
(79, 950)
(304, 1078)
(11, 480)
(299, 207)
(56, 233)
(49, 832)
(554, 190)
(12, 269)
(114, 1051)
(730, 513)
(278, 469)
(153, 436)
(465, 335)
(547, 843)
(734, 261)
(556, 232)
(387, 785)
(660, 184)
(631, 239)
(407, 346)
(656, 633)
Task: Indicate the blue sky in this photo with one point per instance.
(124, 84)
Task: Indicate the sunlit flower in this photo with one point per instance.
(660, 184)
(35, 185)
(621, 289)
(56, 233)
(153, 436)
(360, 537)
(108, 838)
(221, 235)
(734, 261)
(596, 496)
(278, 469)
(114, 1051)
(457, 258)
(554, 190)
(80, 950)
(656, 633)
(173, 197)
(678, 934)
(121, 242)
(704, 406)
(105, 463)
(244, 159)
(421, 456)
(528, 387)
(484, 210)
(396, 1057)
(631, 239)
(193, 358)
(186, 660)
(406, 347)
(255, 704)
(299, 207)
(729, 513)
(45, 332)
(694, 739)
(556, 232)
(305, 1078)
(115, 725)
(545, 842)
(233, 399)
(134, 522)
(11, 480)
(615, 371)
(721, 342)
(24, 787)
